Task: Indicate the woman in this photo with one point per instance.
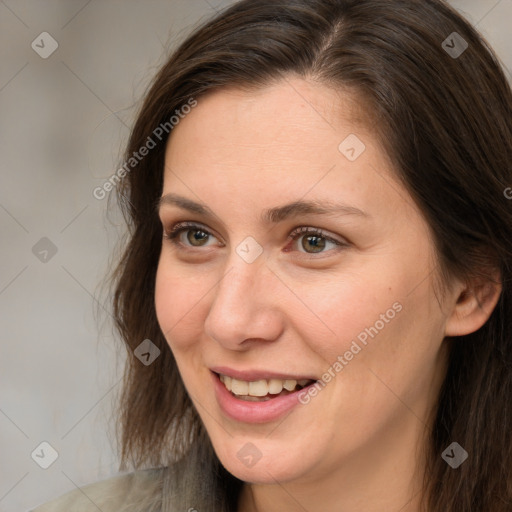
(319, 265)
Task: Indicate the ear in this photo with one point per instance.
(474, 303)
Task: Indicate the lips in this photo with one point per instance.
(256, 409)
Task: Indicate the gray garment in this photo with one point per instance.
(139, 491)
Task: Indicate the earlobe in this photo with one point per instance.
(473, 307)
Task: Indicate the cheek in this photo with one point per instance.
(177, 303)
(375, 323)
(390, 354)
(341, 307)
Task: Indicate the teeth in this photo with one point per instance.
(227, 381)
(239, 387)
(289, 384)
(275, 386)
(249, 398)
(260, 388)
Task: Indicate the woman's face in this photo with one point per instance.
(299, 257)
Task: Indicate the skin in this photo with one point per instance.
(358, 444)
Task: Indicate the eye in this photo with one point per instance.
(189, 235)
(314, 240)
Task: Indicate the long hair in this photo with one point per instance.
(435, 93)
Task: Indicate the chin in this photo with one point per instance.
(261, 473)
(259, 461)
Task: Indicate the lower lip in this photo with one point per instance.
(254, 412)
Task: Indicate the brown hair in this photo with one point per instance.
(445, 122)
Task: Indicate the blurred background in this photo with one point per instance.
(72, 73)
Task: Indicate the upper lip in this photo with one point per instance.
(254, 375)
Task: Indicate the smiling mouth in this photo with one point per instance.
(264, 389)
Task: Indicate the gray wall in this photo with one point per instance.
(63, 120)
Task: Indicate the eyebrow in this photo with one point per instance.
(272, 215)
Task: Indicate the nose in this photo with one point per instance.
(245, 307)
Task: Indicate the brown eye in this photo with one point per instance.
(189, 235)
(313, 242)
(196, 237)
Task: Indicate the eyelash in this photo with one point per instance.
(177, 229)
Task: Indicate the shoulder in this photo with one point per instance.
(139, 491)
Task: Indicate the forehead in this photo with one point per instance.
(281, 112)
(290, 122)
(278, 144)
